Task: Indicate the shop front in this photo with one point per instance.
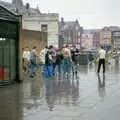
(9, 46)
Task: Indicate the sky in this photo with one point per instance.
(91, 14)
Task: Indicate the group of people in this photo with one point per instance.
(53, 60)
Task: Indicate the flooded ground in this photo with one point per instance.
(86, 97)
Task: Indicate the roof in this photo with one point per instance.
(20, 10)
(68, 24)
(7, 15)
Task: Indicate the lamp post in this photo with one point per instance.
(76, 28)
(62, 34)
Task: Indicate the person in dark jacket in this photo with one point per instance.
(74, 55)
(48, 63)
(59, 58)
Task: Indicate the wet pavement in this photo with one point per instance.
(85, 97)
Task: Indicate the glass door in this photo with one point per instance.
(7, 60)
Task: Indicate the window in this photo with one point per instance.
(2, 39)
(44, 28)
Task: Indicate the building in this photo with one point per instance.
(106, 36)
(70, 32)
(96, 36)
(96, 39)
(17, 7)
(87, 41)
(46, 25)
(116, 39)
(43, 26)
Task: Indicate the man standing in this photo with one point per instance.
(102, 54)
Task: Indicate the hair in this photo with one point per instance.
(66, 46)
(50, 47)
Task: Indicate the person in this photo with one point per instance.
(66, 60)
(74, 52)
(102, 55)
(26, 58)
(59, 58)
(43, 53)
(53, 54)
(48, 69)
(33, 62)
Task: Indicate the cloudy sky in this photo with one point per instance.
(90, 13)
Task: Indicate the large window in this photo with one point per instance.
(7, 59)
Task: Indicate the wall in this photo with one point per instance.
(33, 38)
(34, 23)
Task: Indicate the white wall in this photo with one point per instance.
(51, 20)
(53, 34)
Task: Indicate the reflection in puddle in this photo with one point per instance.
(101, 85)
(62, 92)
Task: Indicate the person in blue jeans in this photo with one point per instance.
(33, 62)
(48, 64)
(66, 60)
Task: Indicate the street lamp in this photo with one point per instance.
(76, 28)
(62, 34)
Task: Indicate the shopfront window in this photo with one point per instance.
(7, 59)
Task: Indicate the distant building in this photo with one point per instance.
(106, 36)
(70, 32)
(116, 39)
(96, 39)
(87, 41)
(96, 36)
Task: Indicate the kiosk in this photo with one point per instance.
(9, 46)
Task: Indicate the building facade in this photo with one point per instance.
(46, 24)
(96, 39)
(116, 39)
(87, 41)
(70, 32)
(106, 36)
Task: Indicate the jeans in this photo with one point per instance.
(101, 62)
